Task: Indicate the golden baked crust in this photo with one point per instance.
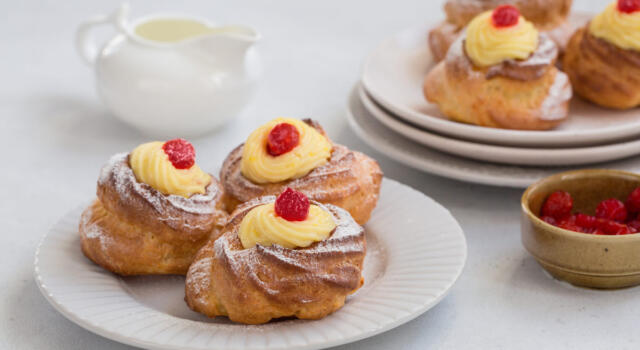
(350, 180)
(440, 39)
(258, 284)
(549, 16)
(602, 72)
(132, 229)
(526, 95)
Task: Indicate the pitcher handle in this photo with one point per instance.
(86, 46)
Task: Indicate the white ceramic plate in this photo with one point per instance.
(399, 148)
(502, 154)
(415, 252)
(393, 75)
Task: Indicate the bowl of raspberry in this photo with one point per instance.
(583, 227)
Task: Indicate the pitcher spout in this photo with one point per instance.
(232, 40)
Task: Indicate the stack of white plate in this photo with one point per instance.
(388, 110)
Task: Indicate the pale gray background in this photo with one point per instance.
(55, 135)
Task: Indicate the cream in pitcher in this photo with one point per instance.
(172, 75)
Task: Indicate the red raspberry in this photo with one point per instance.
(613, 228)
(570, 224)
(181, 153)
(633, 201)
(611, 209)
(634, 226)
(558, 205)
(292, 205)
(505, 16)
(628, 6)
(550, 220)
(282, 138)
(588, 223)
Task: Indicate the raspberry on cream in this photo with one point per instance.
(169, 167)
(290, 222)
(619, 24)
(628, 6)
(180, 152)
(499, 35)
(505, 16)
(292, 205)
(262, 166)
(282, 138)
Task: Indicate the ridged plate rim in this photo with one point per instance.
(415, 280)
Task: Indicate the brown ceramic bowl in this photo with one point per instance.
(582, 259)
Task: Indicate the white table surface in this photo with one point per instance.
(55, 135)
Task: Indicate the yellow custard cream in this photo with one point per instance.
(487, 45)
(619, 28)
(262, 226)
(151, 165)
(172, 30)
(259, 166)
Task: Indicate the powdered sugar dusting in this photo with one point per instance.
(346, 239)
(194, 204)
(533, 67)
(339, 165)
(553, 106)
(107, 169)
(200, 277)
(124, 180)
(92, 230)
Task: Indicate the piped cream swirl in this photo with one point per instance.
(262, 226)
(619, 28)
(486, 45)
(151, 165)
(259, 166)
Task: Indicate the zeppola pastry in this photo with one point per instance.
(155, 209)
(292, 153)
(278, 257)
(603, 58)
(501, 73)
(549, 16)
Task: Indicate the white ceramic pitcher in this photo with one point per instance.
(172, 75)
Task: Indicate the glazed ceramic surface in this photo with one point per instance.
(59, 137)
(501, 154)
(405, 275)
(415, 155)
(394, 72)
(168, 89)
(588, 260)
